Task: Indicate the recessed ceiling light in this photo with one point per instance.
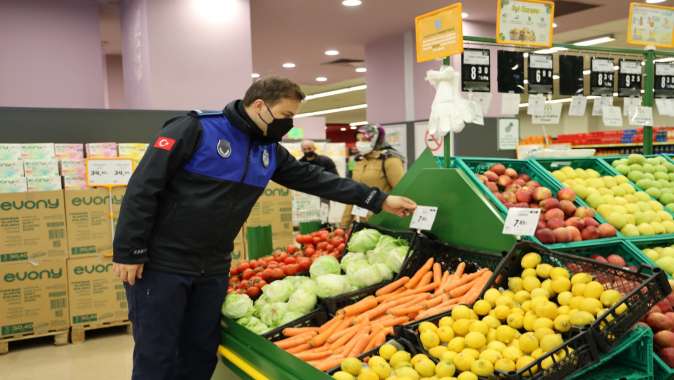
(356, 124)
(595, 41)
(289, 65)
(321, 79)
(332, 52)
(351, 3)
(554, 24)
(464, 15)
(254, 75)
(361, 69)
(654, 1)
(353, 127)
(342, 129)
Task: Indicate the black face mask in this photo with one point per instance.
(310, 155)
(277, 128)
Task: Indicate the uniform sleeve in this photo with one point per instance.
(394, 170)
(171, 147)
(330, 166)
(312, 179)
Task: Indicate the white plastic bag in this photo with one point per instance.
(449, 111)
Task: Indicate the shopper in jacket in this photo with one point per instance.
(378, 164)
(310, 156)
(185, 203)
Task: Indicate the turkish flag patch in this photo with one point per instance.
(165, 143)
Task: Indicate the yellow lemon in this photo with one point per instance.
(461, 312)
(482, 307)
(610, 297)
(542, 332)
(580, 318)
(564, 309)
(496, 345)
(578, 290)
(562, 323)
(425, 368)
(491, 321)
(560, 284)
(581, 278)
(528, 321)
(491, 335)
(504, 300)
(515, 284)
(491, 355)
(543, 322)
(387, 350)
(505, 334)
(550, 342)
(540, 293)
(429, 339)
(448, 357)
(591, 305)
(445, 334)
(504, 365)
(524, 361)
(543, 270)
(463, 361)
(593, 289)
(547, 310)
(445, 369)
(475, 340)
(537, 353)
(531, 260)
(417, 358)
(425, 326)
(512, 353)
(621, 308)
(491, 295)
(352, 366)
(472, 352)
(438, 351)
(462, 326)
(457, 344)
(482, 367)
(466, 376)
(564, 298)
(547, 363)
(531, 283)
(446, 322)
(576, 301)
(528, 342)
(407, 373)
(526, 305)
(522, 296)
(479, 326)
(368, 374)
(400, 357)
(502, 312)
(558, 272)
(531, 272)
(341, 375)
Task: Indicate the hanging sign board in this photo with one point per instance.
(508, 134)
(108, 172)
(601, 76)
(475, 70)
(439, 33)
(664, 79)
(525, 22)
(540, 74)
(629, 78)
(651, 25)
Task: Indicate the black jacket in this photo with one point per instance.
(323, 161)
(195, 187)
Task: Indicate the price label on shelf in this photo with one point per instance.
(359, 212)
(602, 76)
(108, 172)
(423, 218)
(540, 74)
(521, 221)
(475, 70)
(629, 78)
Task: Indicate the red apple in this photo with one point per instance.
(554, 213)
(499, 169)
(546, 236)
(568, 207)
(542, 224)
(499, 196)
(667, 356)
(670, 298)
(548, 204)
(491, 175)
(590, 221)
(658, 321)
(533, 184)
(492, 186)
(606, 230)
(562, 235)
(555, 223)
(566, 194)
(542, 193)
(521, 205)
(664, 338)
(482, 178)
(512, 173)
(524, 177)
(616, 260)
(589, 233)
(504, 181)
(513, 188)
(583, 212)
(520, 182)
(509, 197)
(664, 305)
(670, 315)
(576, 222)
(534, 205)
(599, 258)
(575, 233)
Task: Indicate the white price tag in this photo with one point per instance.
(642, 115)
(521, 221)
(552, 113)
(578, 106)
(359, 212)
(536, 105)
(611, 116)
(423, 218)
(630, 104)
(108, 172)
(510, 104)
(599, 103)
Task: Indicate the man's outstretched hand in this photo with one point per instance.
(398, 205)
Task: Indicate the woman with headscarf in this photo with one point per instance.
(378, 164)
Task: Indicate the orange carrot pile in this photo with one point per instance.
(364, 325)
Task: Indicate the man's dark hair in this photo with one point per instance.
(272, 90)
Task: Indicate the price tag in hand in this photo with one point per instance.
(359, 212)
(423, 218)
(521, 221)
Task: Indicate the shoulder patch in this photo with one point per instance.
(165, 143)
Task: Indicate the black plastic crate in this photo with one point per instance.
(401, 343)
(313, 319)
(641, 289)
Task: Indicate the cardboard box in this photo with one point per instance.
(11, 169)
(44, 183)
(72, 167)
(117, 198)
(95, 294)
(41, 168)
(10, 152)
(32, 226)
(275, 208)
(74, 182)
(33, 297)
(13, 185)
(101, 150)
(37, 151)
(69, 151)
(88, 222)
(134, 151)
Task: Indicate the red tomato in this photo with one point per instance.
(230, 289)
(282, 256)
(315, 234)
(261, 284)
(291, 249)
(309, 251)
(312, 246)
(304, 263)
(253, 291)
(317, 239)
(243, 266)
(340, 248)
(338, 232)
(337, 240)
(241, 286)
(290, 260)
(291, 269)
(324, 234)
(248, 273)
(322, 245)
(259, 269)
(266, 274)
(329, 247)
(255, 279)
(252, 264)
(277, 273)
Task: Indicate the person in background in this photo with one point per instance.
(378, 164)
(310, 156)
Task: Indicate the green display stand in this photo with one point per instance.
(259, 239)
(309, 227)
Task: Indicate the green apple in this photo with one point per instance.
(621, 179)
(659, 249)
(667, 252)
(631, 198)
(651, 254)
(579, 173)
(666, 263)
(655, 205)
(654, 192)
(609, 182)
(670, 206)
(640, 217)
(595, 182)
(620, 161)
(632, 208)
(648, 168)
(591, 173)
(618, 191)
(658, 227)
(617, 220)
(644, 183)
(605, 210)
(635, 175)
(631, 219)
(560, 175)
(623, 169)
(660, 175)
(636, 159)
(660, 168)
(645, 229)
(642, 196)
(620, 201)
(664, 215)
(594, 200)
(648, 176)
(666, 197)
(630, 230)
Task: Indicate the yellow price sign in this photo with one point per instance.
(439, 33)
(525, 22)
(651, 25)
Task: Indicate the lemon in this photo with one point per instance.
(621, 308)
(581, 278)
(505, 334)
(591, 305)
(524, 361)
(472, 352)
(425, 326)
(387, 350)
(547, 310)
(558, 272)
(407, 373)
(438, 351)
(352, 366)
(531, 260)
(560, 285)
(512, 353)
(547, 363)
(429, 339)
(531, 283)
(543, 270)
(491, 321)
(531, 272)
(580, 318)
(576, 301)
(461, 312)
(445, 334)
(482, 307)
(593, 289)
(543, 322)
(368, 374)
(563, 309)
(491, 335)
(502, 312)
(540, 292)
(528, 342)
(417, 358)
(562, 323)
(496, 345)
(482, 367)
(578, 290)
(448, 357)
(457, 344)
(526, 305)
(374, 360)
(564, 298)
(425, 368)
(550, 342)
(515, 320)
(505, 300)
(480, 326)
(475, 340)
(446, 322)
(504, 365)
(444, 369)
(466, 376)
(543, 332)
(537, 353)
(491, 295)
(491, 355)
(400, 358)
(382, 369)
(515, 284)
(341, 375)
(610, 297)
(547, 285)
(463, 361)
(528, 321)
(462, 326)
(522, 296)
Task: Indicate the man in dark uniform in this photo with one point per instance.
(185, 203)
(310, 156)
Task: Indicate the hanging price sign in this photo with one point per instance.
(540, 73)
(521, 221)
(629, 78)
(664, 79)
(423, 218)
(601, 76)
(475, 70)
(108, 172)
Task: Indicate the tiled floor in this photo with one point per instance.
(105, 355)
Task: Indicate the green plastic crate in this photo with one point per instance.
(661, 370)
(631, 359)
(642, 243)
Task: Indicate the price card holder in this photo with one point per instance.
(601, 76)
(540, 74)
(521, 221)
(475, 70)
(629, 78)
(108, 173)
(359, 212)
(664, 79)
(423, 218)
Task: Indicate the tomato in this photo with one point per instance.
(334, 254)
(253, 291)
(252, 264)
(338, 232)
(248, 273)
(329, 247)
(290, 260)
(291, 269)
(291, 249)
(309, 251)
(261, 284)
(258, 269)
(282, 256)
(277, 273)
(304, 263)
(317, 239)
(322, 245)
(312, 246)
(242, 285)
(337, 240)
(255, 279)
(304, 239)
(323, 234)
(266, 274)
(340, 248)
(230, 289)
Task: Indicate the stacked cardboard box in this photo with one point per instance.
(274, 208)
(71, 165)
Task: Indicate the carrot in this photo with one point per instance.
(461, 290)
(427, 279)
(340, 333)
(400, 311)
(422, 289)
(471, 295)
(376, 312)
(345, 338)
(465, 279)
(429, 303)
(460, 269)
(295, 340)
(437, 273)
(414, 281)
(394, 321)
(377, 340)
(299, 348)
(361, 306)
(321, 338)
(329, 323)
(443, 282)
(328, 363)
(293, 331)
(395, 285)
(307, 356)
(361, 341)
(400, 291)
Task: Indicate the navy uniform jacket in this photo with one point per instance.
(197, 183)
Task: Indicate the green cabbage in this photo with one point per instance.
(278, 291)
(272, 314)
(363, 240)
(332, 285)
(291, 316)
(395, 257)
(389, 251)
(237, 306)
(365, 276)
(324, 265)
(384, 271)
(355, 265)
(302, 282)
(302, 301)
(253, 324)
(350, 258)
